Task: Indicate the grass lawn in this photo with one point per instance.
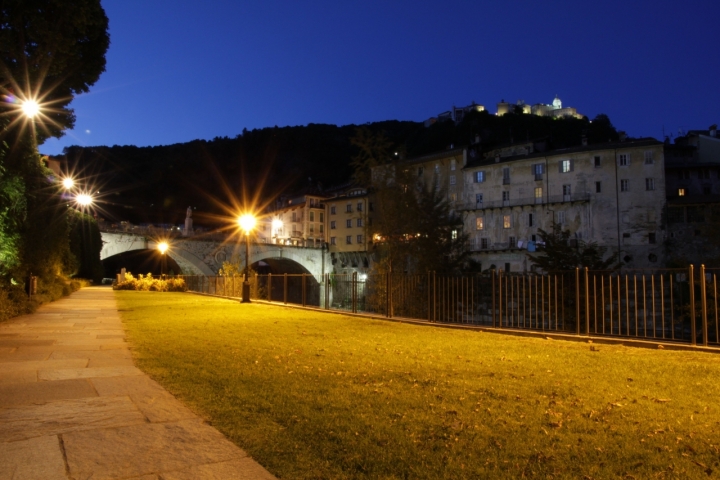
(313, 395)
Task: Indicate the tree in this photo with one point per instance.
(374, 150)
(559, 255)
(51, 50)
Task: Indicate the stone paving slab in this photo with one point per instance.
(37, 458)
(149, 397)
(42, 364)
(144, 449)
(73, 405)
(63, 416)
(65, 374)
(37, 393)
(22, 376)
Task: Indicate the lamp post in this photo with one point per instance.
(163, 247)
(247, 223)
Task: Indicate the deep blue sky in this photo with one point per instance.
(179, 70)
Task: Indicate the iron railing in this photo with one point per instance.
(668, 305)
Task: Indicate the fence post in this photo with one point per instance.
(354, 292)
(434, 305)
(493, 274)
(303, 290)
(428, 298)
(327, 291)
(269, 287)
(587, 303)
(500, 298)
(693, 333)
(285, 288)
(577, 299)
(703, 293)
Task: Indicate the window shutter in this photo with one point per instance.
(572, 165)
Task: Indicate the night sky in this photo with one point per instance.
(188, 69)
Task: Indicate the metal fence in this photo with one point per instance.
(678, 305)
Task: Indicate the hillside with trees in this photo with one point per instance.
(216, 177)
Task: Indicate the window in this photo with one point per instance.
(649, 158)
(538, 194)
(506, 175)
(684, 174)
(348, 223)
(452, 164)
(312, 228)
(566, 166)
(561, 218)
(478, 199)
(707, 189)
(452, 179)
(348, 240)
(506, 196)
(651, 238)
(598, 187)
(531, 219)
(359, 222)
(596, 160)
(479, 223)
(507, 267)
(294, 216)
(359, 239)
(348, 208)
(479, 177)
(512, 242)
(649, 184)
(421, 170)
(484, 243)
(333, 241)
(312, 216)
(322, 228)
(360, 207)
(623, 159)
(322, 216)
(453, 234)
(566, 193)
(437, 168)
(370, 206)
(332, 210)
(538, 169)
(332, 225)
(681, 192)
(507, 221)
(453, 197)
(624, 185)
(705, 173)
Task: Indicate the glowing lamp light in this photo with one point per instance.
(247, 222)
(277, 224)
(68, 183)
(163, 247)
(30, 108)
(84, 199)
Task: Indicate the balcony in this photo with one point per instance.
(519, 202)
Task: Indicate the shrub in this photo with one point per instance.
(150, 283)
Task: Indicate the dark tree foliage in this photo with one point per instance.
(560, 254)
(85, 245)
(52, 50)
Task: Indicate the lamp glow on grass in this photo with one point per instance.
(313, 395)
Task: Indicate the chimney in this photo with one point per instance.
(713, 131)
(623, 136)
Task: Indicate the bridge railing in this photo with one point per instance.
(668, 305)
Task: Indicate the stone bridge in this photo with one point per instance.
(202, 256)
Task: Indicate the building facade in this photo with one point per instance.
(611, 194)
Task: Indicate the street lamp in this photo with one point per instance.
(30, 108)
(162, 247)
(84, 199)
(247, 223)
(68, 183)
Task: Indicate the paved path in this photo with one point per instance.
(73, 405)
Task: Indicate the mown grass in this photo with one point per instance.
(312, 395)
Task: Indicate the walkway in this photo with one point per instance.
(73, 405)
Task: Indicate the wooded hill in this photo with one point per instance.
(157, 184)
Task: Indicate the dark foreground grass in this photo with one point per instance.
(312, 395)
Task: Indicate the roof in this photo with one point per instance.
(434, 156)
(642, 142)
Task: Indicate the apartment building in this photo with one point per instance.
(442, 169)
(300, 221)
(349, 212)
(611, 194)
